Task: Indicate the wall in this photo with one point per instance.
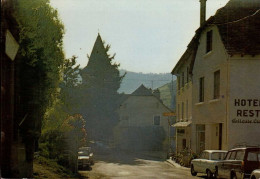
(137, 113)
(211, 111)
(244, 125)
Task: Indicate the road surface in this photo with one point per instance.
(135, 166)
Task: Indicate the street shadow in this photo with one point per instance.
(85, 169)
(127, 158)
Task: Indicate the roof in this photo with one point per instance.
(142, 91)
(211, 151)
(239, 26)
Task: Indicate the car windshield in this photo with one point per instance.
(218, 155)
(83, 153)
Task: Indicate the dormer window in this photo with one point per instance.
(209, 41)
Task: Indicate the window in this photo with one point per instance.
(182, 79)
(216, 84)
(240, 155)
(180, 131)
(228, 156)
(200, 128)
(179, 83)
(233, 155)
(156, 120)
(218, 156)
(209, 41)
(183, 143)
(187, 117)
(182, 110)
(253, 156)
(178, 111)
(201, 88)
(187, 77)
(204, 155)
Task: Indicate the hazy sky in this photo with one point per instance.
(146, 35)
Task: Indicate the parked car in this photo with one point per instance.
(239, 163)
(85, 157)
(206, 163)
(255, 174)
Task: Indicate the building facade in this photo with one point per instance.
(225, 80)
(142, 125)
(183, 123)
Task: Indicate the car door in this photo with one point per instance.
(226, 165)
(252, 161)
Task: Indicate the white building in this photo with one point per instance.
(225, 63)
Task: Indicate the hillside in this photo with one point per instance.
(162, 81)
(168, 94)
(133, 80)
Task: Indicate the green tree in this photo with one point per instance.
(40, 64)
(100, 82)
(70, 94)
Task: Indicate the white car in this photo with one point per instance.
(255, 174)
(206, 163)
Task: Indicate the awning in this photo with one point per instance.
(182, 124)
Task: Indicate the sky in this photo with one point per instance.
(148, 36)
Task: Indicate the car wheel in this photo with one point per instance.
(215, 175)
(233, 176)
(209, 174)
(192, 171)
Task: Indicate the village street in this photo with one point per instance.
(122, 165)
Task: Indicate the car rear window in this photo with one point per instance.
(218, 155)
(253, 156)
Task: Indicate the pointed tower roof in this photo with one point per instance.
(142, 91)
(98, 56)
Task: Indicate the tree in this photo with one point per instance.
(70, 86)
(100, 82)
(40, 63)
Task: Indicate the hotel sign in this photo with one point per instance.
(169, 114)
(247, 111)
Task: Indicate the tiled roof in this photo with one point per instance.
(142, 91)
(239, 26)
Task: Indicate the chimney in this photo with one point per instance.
(202, 11)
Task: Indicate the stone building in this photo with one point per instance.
(223, 64)
(142, 124)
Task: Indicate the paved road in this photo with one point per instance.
(135, 167)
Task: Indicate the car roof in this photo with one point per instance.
(244, 148)
(211, 151)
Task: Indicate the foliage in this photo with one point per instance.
(62, 142)
(70, 88)
(41, 59)
(100, 83)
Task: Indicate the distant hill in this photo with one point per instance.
(133, 80)
(168, 94)
(162, 81)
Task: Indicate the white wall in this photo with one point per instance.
(244, 84)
